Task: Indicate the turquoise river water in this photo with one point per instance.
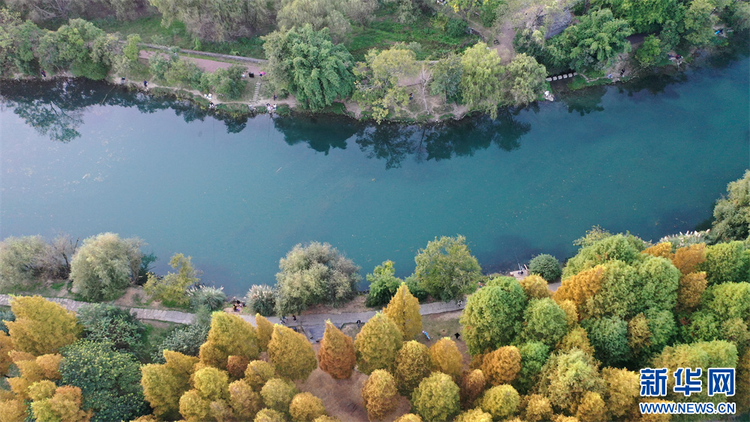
(652, 157)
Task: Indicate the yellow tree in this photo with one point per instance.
(164, 384)
(591, 408)
(690, 290)
(688, 258)
(437, 398)
(403, 309)
(258, 372)
(622, 391)
(41, 326)
(535, 287)
(229, 335)
(208, 397)
(63, 405)
(474, 415)
(379, 394)
(306, 408)
(6, 345)
(291, 354)
(502, 365)
(446, 358)
(536, 407)
(377, 344)
(413, 364)
(337, 356)
(663, 250)
(278, 394)
(501, 401)
(264, 329)
(245, 402)
(580, 287)
(577, 338)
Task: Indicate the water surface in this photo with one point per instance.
(651, 158)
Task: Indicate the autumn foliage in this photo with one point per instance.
(379, 394)
(403, 310)
(337, 356)
(291, 354)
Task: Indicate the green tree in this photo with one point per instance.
(544, 321)
(593, 43)
(436, 398)
(109, 380)
(609, 336)
(493, 315)
(726, 262)
(306, 408)
(41, 327)
(318, 14)
(732, 213)
(413, 363)
(278, 394)
(446, 358)
(650, 52)
(481, 85)
(446, 78)
(383, 284)
(305, 62)
(19, 262)
(378, 344)
(545, 266)
(699, 21)
(403, 309)
(377, 80)
(291, 354)
(446, 269)
(533, 357)
(217, 20)
(229, 335)
(316, 273)
(500, 401)
(524, 81)
(184, 73)
(186, 340)
(379, 394)
(107, 323)
(105, 265)
(172, 288)
(336, 355)
(227, 83)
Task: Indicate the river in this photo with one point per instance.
(650, 157)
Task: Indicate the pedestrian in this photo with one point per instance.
(294, 317)
(234, 308)
(283, 319)
(457, 335)
(44, 74)
(274, 97)
(145, 84)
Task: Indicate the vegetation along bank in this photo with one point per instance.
(403, 60)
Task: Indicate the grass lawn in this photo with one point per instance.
(385, 31)
(151, 31)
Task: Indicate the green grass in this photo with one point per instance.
(578, 82)
(385, 31)
(57, 286)
(151, 31)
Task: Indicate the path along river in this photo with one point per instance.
(649, 157)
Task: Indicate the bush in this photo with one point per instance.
(6, 315)
(104, 266)
(171, 289)
(19, 256)
(107, 323)
(262, 299)
(186, 340)
(456, 28)
(209, 297)
(545, 266)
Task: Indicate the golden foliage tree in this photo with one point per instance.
(278, 394)
(164, 384)
(577, 338)
(63, 405)
(535, 408)
(258, 372)
(41, 326)
(501, 401)
(621, 391)
(377, 344)
(663, 250)
(229, 335)
(211, 383)
(502, 365)
(436, 398)
(413, 364)
(6, 345)
(245, 402)
(291, 353)
(264, 329)
(472, 385)
(327, 418)
(571, 311)
(337, 356)
(409, 417)
(306, 408)
(379, 394)
(13, 410)
(535, 287)
(591, 408)
(474, 415)
(446, 358)
(690, 290)
(194, 408)
(403, 309)
(580, 287)
(270, 415)
(688, 258)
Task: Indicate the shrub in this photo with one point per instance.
(212, 298)
(545, 266)
(456, 28)
(186, 340)
(19, 268)
(107, 323)
(261, 299)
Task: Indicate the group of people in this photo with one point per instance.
(238, 305)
